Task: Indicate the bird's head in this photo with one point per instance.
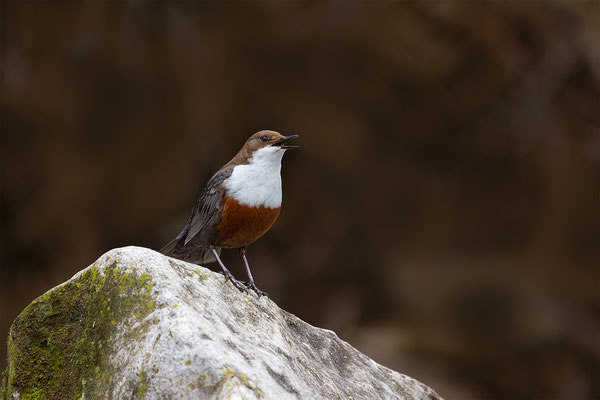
(266, 147)
(273, 139)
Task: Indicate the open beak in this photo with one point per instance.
(282, 142)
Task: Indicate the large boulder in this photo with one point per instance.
(137, 324)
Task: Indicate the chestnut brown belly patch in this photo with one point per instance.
(241, 225)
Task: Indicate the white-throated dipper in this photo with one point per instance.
(239, 204)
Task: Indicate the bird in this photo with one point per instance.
(238, 205)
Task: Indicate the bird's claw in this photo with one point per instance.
(252, 286)
(240, 285)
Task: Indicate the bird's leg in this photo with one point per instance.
(250, 284)
(228, 276)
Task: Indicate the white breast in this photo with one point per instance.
(259, 182)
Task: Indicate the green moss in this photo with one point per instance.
(34, 395)
(143, 383)
(200, 273)
(229, 373)
(59, 344)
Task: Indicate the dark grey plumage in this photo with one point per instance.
(199, 233)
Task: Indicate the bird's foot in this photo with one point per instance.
(240, 285)
(250, 285)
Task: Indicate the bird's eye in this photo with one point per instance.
(264, 138)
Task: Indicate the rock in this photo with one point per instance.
(137, 324)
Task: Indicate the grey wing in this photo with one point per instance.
(208, 205)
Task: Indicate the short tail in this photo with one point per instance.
(175, 248)
(170, 247)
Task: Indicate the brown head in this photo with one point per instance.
(261, 140)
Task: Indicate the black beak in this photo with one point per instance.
(282, 142)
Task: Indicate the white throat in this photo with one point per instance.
(259, 182)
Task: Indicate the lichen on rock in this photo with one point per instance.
(137, 324)
(59, 345)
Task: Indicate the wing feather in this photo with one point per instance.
(208, 205)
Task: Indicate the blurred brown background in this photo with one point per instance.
(441, 214)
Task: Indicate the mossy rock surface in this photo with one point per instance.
(136, 324)
(59, 346)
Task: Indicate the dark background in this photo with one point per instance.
(441, 214)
